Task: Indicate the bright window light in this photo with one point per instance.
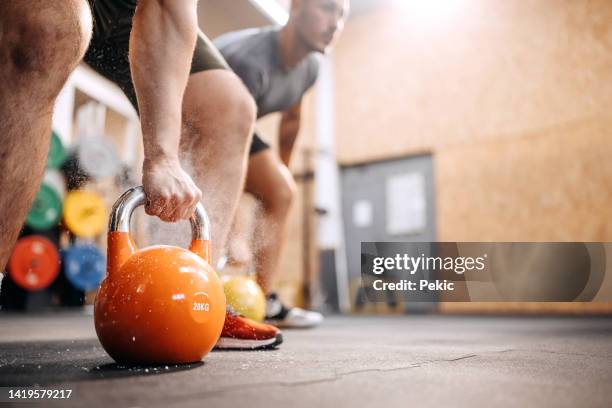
(273, 10)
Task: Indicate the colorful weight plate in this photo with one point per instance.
(245, 296)
(84, 266)
(46, 210)
(84, 213)
(98, 157)
(34, 263)
(57, 153)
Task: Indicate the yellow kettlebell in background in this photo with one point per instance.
(245, 296)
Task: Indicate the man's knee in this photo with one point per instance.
(48, 41)
(283, 195)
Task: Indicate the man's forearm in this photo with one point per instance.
(161, 48)
(287, 133)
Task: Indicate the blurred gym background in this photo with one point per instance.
(437, 120)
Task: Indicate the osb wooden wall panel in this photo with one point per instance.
(549, 185)
(413, 78)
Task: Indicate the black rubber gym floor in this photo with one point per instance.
(349, 361)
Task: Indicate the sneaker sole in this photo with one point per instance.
(228, 343)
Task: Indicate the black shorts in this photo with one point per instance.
(257, 145)
(109, 47)
(109, 50)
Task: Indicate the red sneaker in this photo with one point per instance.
(240, 333)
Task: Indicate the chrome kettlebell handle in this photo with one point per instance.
(121, 214)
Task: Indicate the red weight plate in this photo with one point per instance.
(34, 263)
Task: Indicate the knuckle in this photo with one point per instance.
(151, 209)
(160, 200)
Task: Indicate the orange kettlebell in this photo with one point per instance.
(161, 304)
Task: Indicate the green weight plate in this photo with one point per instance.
(46, 210)
(57, 152)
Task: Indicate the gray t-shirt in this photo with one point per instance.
(253, 55)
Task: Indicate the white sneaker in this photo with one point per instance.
(283, 317)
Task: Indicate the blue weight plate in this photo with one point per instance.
(84, 266)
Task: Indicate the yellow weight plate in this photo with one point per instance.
(84, 213)
(245, 296)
